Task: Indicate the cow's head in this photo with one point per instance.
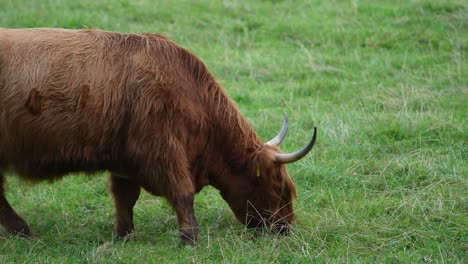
(265, 199)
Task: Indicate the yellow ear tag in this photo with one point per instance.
(258, 170)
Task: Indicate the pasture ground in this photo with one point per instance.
(386, 84)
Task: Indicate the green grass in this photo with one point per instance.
(386, 84)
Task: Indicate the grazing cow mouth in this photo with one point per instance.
(282, 226)
(277, 227)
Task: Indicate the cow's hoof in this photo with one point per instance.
(20, 229)
(188, 239)
(124, 231)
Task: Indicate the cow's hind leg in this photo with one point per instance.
(9, 219)
(125, 194)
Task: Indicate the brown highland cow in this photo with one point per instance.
(143, 108)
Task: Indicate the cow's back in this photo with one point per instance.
(63, 97)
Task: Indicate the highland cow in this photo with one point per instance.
(142, 108)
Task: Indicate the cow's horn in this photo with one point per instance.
(279, 138)
(295, 156)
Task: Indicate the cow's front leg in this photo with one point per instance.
(125, 194)
(186, 221)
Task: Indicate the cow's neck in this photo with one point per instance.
(232, 145)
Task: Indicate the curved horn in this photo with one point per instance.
(279, 138)
(295, 156)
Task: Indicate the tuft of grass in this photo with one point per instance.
(385, 83)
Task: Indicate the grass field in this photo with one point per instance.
(386, 84)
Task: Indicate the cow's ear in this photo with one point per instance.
(34, 102)
(264, 163)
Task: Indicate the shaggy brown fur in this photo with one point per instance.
(141, 107)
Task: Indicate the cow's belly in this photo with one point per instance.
(51, 165)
